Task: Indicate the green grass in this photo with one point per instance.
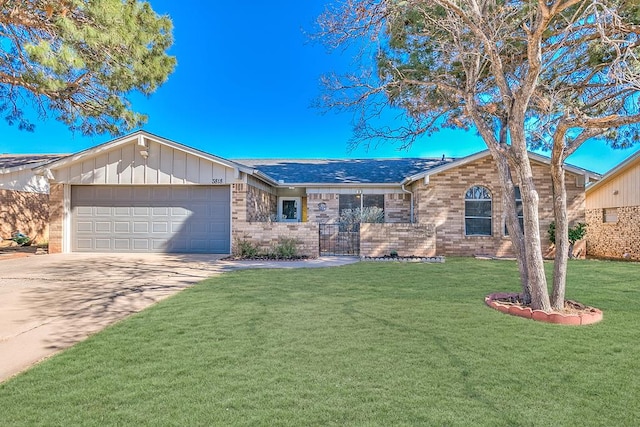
(367, 344)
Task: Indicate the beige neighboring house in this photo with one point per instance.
(613, 212)
(144, 193)
(24, 196)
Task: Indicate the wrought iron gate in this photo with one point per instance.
(337, 239)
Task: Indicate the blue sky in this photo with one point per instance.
(243, 88)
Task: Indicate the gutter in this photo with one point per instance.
(411, 195)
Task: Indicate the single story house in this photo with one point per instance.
(144, 193)
(613, 212)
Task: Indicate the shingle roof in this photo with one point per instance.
(8, 161)
(343, 171)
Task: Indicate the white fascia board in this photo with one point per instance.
(481, 154)
(621, 167)
(451, 165)
(338, 184)
(573, 169)
(139, 136)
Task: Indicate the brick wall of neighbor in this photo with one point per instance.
(407, 239)
(319, 216)
(614, 240)
(397, 208)
(441, 202)
(266, 234)
(25, 212)
(56, 218)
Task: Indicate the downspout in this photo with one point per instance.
(411, 205)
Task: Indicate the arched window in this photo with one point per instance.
(477, 211)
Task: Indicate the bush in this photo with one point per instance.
(577, 232)
(243, 248)
(286, 248)
(350, 217)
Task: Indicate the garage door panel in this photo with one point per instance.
(141, 227)
(121, 227)
(103, 227)
(151, 219)
(103, 244)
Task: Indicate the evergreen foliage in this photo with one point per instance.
(80, 60)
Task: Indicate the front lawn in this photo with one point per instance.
(366, 344)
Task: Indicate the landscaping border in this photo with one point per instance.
(594, 315)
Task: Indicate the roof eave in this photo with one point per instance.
(617, 170)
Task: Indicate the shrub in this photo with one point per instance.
(577, 232)
(350, 217)
(243, 248)
(286, 248)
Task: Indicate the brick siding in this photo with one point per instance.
(397, 208)
(331, 206)
(441, 203)
(56, 218)
(406, 239)
(266, 234)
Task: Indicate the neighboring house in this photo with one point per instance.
(143, 193)
(613, 212)
(24, 197)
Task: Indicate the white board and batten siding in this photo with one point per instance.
(24, 180)
(125, 165)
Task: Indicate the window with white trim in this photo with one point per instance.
(477, 211)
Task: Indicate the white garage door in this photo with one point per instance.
(179, 219)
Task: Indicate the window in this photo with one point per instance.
(359, 201)
(610, 215)
(519, 210)
(349, 201)
(477, 212)
(289, 209)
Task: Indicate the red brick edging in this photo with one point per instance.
(593, 316)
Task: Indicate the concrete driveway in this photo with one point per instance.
(50, 302)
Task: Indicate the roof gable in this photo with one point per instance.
(486, 153)
(142, 158)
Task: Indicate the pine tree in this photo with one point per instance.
(80, 60)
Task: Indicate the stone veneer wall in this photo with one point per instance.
(614, 240)
(441, 202)
(266, 235)
(250, 203)
(406, 239)
(56, 218)
(261, 205)
(25, 212)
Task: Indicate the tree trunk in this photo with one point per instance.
(533, 248)
(513, 225)
(562, 230)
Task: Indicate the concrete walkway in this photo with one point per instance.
(50, 302)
